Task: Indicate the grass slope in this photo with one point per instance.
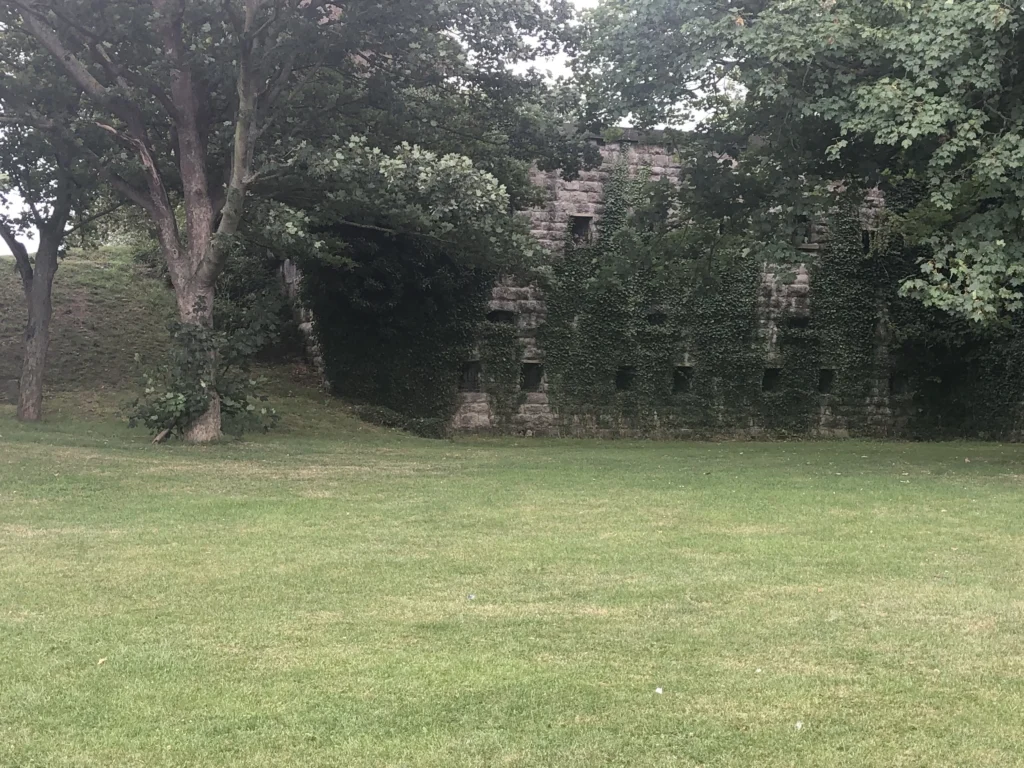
(305, 600)
(105, 309)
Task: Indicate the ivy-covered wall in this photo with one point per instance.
(649, 337)
(642, 326)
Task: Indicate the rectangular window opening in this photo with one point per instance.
(771, 380)
(624, 378)
(531, 376)
(899, 383)
(502, 316)
(803, 231)
(799, 322)
(682, 379)
(867, 239)
(657, 317)
(469, 380)
(826, 381)
(582, 228)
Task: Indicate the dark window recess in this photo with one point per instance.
(469, 381)
(899, 383)
(624, 378)
(866, 238)
(800, 322)
(582, 227)
(597, 141)
(682, 379)
(530, 377)
(826, 380)
(657, 317)
(803, 231)
(502, 316)
(771, 379)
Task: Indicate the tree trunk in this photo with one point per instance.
(37, 340)
(195, 307)
(38, 295)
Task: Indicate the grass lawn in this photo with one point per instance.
(338, 595)
(105, 309)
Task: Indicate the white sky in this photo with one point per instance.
(32, 242)
(556, 65)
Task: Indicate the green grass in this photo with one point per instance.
(302, 600)
(105, 309)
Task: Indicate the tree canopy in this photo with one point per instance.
(201, 105)
(857, 91)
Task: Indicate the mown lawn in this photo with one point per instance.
(337, 595)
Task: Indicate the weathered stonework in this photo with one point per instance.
(550, 225)
(291, 277)
(785, 295)
(585, 195)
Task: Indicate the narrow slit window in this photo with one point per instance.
(899, 383)
(682, 380)
(799, 322)
(624, 378)
(771, 380)
(502, 316)
(803, 231)
(826, 381)
(582, 228)
(531, 376)
(469, 381)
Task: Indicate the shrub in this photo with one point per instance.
(205, 363)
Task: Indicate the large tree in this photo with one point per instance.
(928, 91)
(202, 101)
(45, 189)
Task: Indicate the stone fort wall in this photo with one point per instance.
(575, 206)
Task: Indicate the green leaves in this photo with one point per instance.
(442, 199)
(206, 363)
(849, 91)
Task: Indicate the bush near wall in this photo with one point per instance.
(394, 324)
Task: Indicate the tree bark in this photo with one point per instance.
(37, 338)
(195, 306)
(37, 283)
(195, 261)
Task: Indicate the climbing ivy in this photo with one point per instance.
(903, 368)
(657, 327)
(395, 323)
(500, 360)
(652, 328)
